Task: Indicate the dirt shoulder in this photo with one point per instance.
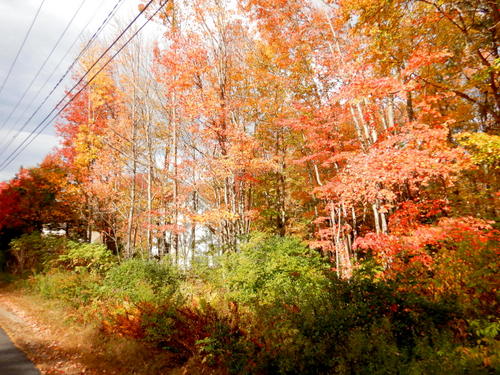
(52, 338)
(17, 318)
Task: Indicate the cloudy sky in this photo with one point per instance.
(15, 19)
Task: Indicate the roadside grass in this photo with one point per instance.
(81, 339)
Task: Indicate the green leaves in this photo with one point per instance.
(274, 269)
(87, 257)
(142, 281)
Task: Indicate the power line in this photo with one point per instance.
(82, 51)
(43, 65)
(96, 33)
(40, 127)
(27, 106)
(22, 46)
(76, 85)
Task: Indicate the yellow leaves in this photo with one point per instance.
(214, 216)
(87, 147)
(103, 86)
(484, 148)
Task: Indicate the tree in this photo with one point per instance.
(36, 197)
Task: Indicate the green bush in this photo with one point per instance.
(357, 326)
(77, 289)
(83, 257)
(142, 281)
(274, 270)
(225, 344)
(159, 325)
(34, 251)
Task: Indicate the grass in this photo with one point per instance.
(77, 342)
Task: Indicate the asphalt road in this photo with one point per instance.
(12, 360)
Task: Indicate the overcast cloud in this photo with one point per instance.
(15, 18)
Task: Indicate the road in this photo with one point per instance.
(12, 360)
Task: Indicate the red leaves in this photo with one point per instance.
(9, 205)
(34, 197)
(126, 319)
(411, 160)
(411, 214)
(424, 56)
(416, 248)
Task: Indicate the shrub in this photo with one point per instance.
(37, 252)
(34, 252)
(142, 281)
(357, 326)
(225, 344)
(86, 257)
(274, 270)
(77, 289)
(455, 257)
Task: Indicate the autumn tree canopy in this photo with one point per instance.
(347, 123)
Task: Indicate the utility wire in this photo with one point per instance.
(68, 70)
(40, 127)
(94, 36)
(43, 65)
(21, 47)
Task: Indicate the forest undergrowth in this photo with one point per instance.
(275, 307)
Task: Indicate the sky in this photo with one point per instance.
(15, 19)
